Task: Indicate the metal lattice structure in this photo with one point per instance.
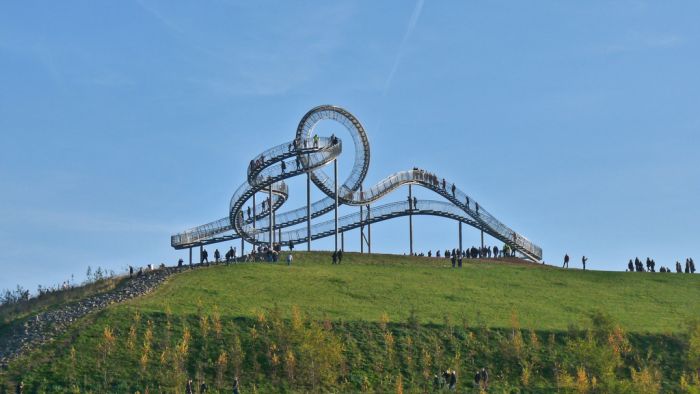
(263, 223)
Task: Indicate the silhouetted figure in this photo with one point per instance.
(188, 387)
(131, 271)
(687, 266)
(179, 263)
(335, 257)
(484, 378)
(236, 390)
(467, 202)
(315, 140)
(692, 265)
(217, 255)
(583, 261)
(678, 267)
(20, 388)
(284, 166)
(453, 189)
(495, 251)
(204, 257)
(459, 260)
(340, 256)
(415, 203)
(203, 388)
(444, 185)
(454, 260)
(566, 261)
(453, 380)
(477, 379)
(249, 212)
(291, 246)
(630, 266)
(410, 201)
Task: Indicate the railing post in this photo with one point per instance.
(308, 212)
(410, 220)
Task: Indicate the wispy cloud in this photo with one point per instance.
(402, 47)
(638, 42)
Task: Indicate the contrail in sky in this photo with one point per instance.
(411, 24)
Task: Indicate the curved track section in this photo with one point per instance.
(268, 170)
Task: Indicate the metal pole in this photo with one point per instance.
(362, 226)
(201, 248)
(269, 207)
(254, 210)
(335, 186)
(308, 212)
(460, 236)
(369, 231)
(410, 220)
(190, 255)
(482, 239)
(342, 240)
(242, 248)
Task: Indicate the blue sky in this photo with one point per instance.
(575, 123)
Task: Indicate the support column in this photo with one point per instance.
(308, 212)
(482, 239)
(335, 187)
(201, 248)
(269, 207)
(362, 226)
(190, 255)
(242, 248)
(369, 230)
(254, 210)
(410, 220)
(460, 237)
(342, 241)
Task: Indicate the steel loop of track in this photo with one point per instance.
(301, 156)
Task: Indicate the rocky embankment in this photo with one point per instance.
(45, 326)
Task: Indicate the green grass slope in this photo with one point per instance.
(366, 286)
(383, 323)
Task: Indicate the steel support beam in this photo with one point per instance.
(482, 239)
(460, 236)
(410, 220)
(335, 187)
(308, 212)
(269, 207)
(369, 230)
(254, 210)
(190, 255)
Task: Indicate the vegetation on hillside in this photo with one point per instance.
(211, 325)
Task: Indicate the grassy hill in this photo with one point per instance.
(383, 323)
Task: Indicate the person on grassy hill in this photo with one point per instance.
(495, 252)
(583, 261)
(235, 386)
(335, 257)
(188, 387)
(566, 261)
(445, 377)
(454, 260)
(687, 266)
(459, 261)
(291, 246)
(20, 387)
(204, 257)
(436, 383)
(477, 379)
(340, 256)
(437, 253)
(692, 265)
(630, 266)
(484, 378)
(453, 380)
(131, 272)
(217, 256)
(678, 267)
(203, 388)
(289, 259)
(179, 264)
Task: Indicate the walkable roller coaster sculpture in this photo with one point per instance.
(263, 224)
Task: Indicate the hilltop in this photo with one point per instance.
(377, 322)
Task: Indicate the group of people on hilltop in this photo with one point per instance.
(650, 266)
(584, 260)
(337, 256)
(474, 252)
